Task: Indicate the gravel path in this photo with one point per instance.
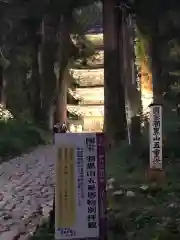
(27, 186)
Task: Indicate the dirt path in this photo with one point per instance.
(27, 185)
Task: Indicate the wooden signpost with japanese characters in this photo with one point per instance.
(155, 172)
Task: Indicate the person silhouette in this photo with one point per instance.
(63, 128)
(58, 128)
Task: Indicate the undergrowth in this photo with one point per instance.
(17, 136)
(43, 233)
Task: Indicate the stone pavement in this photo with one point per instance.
(27, 187)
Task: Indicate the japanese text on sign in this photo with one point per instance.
(66, 232)
(156, 137)
(65, 193)
(92, 183)
(80, 167)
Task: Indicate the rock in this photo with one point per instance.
(10, 206)
(130, 194)
(173, 205)
(144, 187)
(118, 193)
(9, 234)
(4, 228)
(7, 216)
(111, 181)
(109, 186)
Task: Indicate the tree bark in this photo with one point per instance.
(2, 87)
(36, 84)
(156, 65)
(132, 94)
(114, 103)
(65, 48)
(47, 60)
(61, 99)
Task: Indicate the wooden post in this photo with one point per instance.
(156, 172)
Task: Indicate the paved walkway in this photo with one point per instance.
(27, 186)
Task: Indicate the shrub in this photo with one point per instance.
(17, 136)
(5, 114)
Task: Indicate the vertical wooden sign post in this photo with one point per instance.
(155, 134)
(156, 172)
(80, 186)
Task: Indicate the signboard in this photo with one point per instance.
(80, 186)
(155, 132)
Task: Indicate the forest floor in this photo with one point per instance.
(27, 188)
(139, 209)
